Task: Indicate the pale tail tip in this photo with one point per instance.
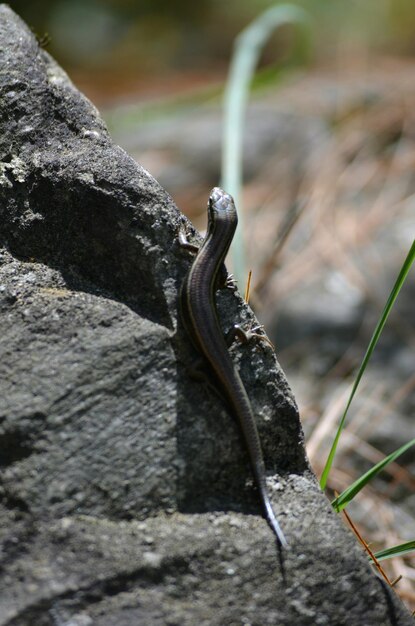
(278, 533)
(282, 540)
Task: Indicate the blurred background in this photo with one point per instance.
(328, 195)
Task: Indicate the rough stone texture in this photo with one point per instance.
(125, 488)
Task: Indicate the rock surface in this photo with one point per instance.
(125, 487)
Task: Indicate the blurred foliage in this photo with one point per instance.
(152, 35)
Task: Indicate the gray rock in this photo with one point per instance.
(126, 492)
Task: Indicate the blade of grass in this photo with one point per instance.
(399, 550)
(375, 337)
(247, 50)
(348, 494)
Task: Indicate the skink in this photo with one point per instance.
(201, 322)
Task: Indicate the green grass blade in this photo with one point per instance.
(378, 330)
(348, 494)
(247, 50)
(400, 550)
